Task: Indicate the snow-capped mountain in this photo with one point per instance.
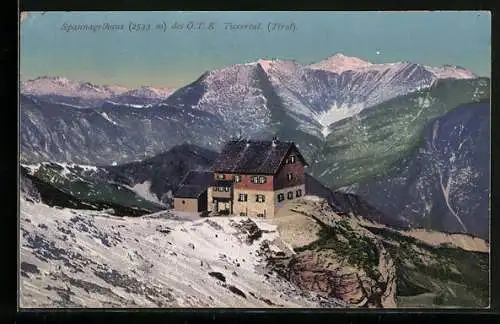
(141, 97)
(71, 92)
(61, 86)
(445, 183)
(340, 63)
(256, 96)
(81, 94)
(451, 72)
(149, 92)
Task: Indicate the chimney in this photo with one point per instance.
(275, 140)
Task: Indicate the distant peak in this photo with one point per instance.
(341, 56)
(53, 78)
(265, 64)
(344, 58)
(339, 63)
(264, 61)
(449, 71)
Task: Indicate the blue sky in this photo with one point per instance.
(174, 58)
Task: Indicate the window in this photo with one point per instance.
(237, 178)
(299, 193)
(243, 197)
(289, 195)
(281, 197)
(291, 159)
(220, 176)
(183, 202)
(216, 188)
(226, 189)
(289, 176)
(221, 188)
(259, 179)
(260, 198)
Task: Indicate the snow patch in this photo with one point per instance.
(144, 190)
(334, 114)
(129, 105)
(313, 198)
(340, 63)
(450, 72)
(105, 116)
(265, 64)
(96, 260)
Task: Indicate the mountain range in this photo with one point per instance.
(359, 126)
(82, 94)
(259, 99)
(445, 183)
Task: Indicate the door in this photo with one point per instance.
(223, 207)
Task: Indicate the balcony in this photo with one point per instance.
(222, 189)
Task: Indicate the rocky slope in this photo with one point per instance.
(52, 132)
(445, 183)
(76, 258)
(359, 260)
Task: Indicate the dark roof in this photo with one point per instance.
(194, 184)
(189, 191)
(255, 157)
(223, 183)
(198, 178)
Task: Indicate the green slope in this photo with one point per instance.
(430, 276)
(368, 145)
(89, 185)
